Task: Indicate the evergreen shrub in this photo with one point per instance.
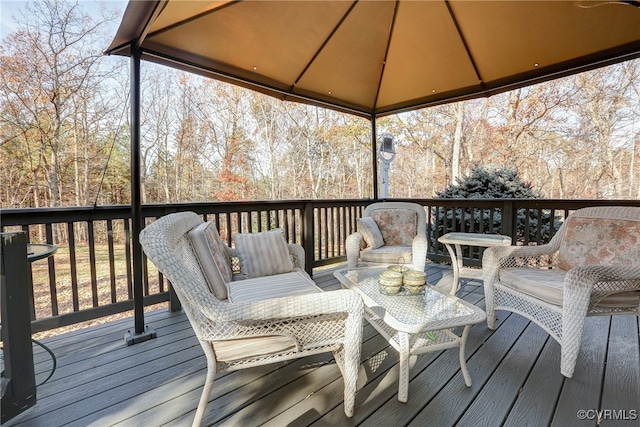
(491, 182)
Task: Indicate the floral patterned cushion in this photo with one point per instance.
(398, 226)
(594, 241)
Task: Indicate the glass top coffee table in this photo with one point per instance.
(413, 324)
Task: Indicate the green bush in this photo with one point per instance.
(487, 182)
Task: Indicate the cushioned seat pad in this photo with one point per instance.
(280, 285)
(251, 347)
(548, 285)
(296, 282)
(387, 254)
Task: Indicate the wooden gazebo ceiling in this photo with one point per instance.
(374, 58)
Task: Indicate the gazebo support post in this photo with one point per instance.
(141, 333)
(374, 157)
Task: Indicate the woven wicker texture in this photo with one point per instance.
(355, 242)
(413, 324)
(322, 322)
(587, 290)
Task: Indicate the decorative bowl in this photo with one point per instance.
(414, 281)
(390, 282)
(414, 278)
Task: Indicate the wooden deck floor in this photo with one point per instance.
(100, 381)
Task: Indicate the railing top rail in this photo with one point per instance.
(25, 216)
(320, 225)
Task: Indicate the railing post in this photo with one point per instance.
(308, 237)
(19, 392)
(509, 223)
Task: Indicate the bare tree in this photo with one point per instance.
(47, 66)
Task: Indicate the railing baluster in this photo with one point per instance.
(492, 220)
(127, 250)
(74, 266)
(52, 275)
(539, 227)
(227, 218)
(527, 224)
(325, 229)
(285, 225)
(343, 235)
(337, 226)
(112, 267)
(318, 232)
(92, 264)
(330, 232)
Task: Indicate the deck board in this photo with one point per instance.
(622, 372)
(492, 404)
(583, 390)
(533, 407)
(515, 371)
(453, 399)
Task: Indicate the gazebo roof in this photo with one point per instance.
(373, 58)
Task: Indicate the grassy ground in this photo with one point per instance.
(108, 288)
(102, 289)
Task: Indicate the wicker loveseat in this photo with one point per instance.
(260, 320)
(590, 267)
(387, 232)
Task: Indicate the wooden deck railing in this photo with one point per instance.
(91, 274)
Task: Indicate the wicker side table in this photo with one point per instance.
(454, 242)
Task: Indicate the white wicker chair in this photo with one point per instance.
(318, 323)
(590, 267)
(414, 253)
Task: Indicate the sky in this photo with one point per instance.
(12, 8)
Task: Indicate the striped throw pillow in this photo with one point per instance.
(263, 254)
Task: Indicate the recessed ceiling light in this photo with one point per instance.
(536, 64)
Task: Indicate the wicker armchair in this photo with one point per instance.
(236, 335)
(590, 267)
(401, 233)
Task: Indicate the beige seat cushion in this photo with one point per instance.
(244, 348)
(387, 254)
(293, 283)
(548, 285)
(296, 282)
